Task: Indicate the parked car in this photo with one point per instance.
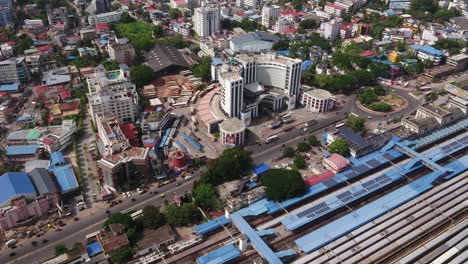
(188, 177)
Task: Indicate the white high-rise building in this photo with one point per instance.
(269, 15)
(118, 103)
(253, 4)
(331, 29)
(232, 94)
(266, 79)
(206, 20)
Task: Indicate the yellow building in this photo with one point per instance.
(394, 56)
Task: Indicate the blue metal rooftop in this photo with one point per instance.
(331, 203)
(263, 167)
(15, 183)
(65, 178)
(57, 158)
(428, 50)
(211, 225)
(94, 249)
(18, 150)
(220, 255)
(12, 88)
(371, 211)
(262, 248)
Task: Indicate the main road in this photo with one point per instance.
(77, 231)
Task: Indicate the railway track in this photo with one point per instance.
(380, 239)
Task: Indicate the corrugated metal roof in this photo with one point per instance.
(14, 183)
(42, 180)
(65, 178)
(57, 158)
(211, 225)
(263, 167)
(221, 255)
(21, 150)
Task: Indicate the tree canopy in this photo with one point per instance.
(355, 123)
(152, 217)
(289, 152)
(205, 196)
(339, 146)
(299, 162)
(181, 215)
(141, 75)
(203, 68)
(303, 146)
(282, 184)
(230, 165)
(119, 218)
(122, 255)
(139, 33)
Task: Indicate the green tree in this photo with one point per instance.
(230, 165)
(432, 96)
(283, 184)
(355, 123)
(126, 18)
(158, 31)
(183, 215)
(282, 44)
(365, 78)
(339, 146)
(174, 13)
(119, 218)
(152, 217)
(303, 146)
(379, 69)
(111, 65)
(141, 75)
(203, 69)
(289, 152)
(122, 255)
(205, 196)
(307, 24)
(380, 107)
(313, 141)
(60, 249)
(299, 162)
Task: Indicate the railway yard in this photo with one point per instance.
(404, 203)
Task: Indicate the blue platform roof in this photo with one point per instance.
(57, 158)
(428, 50)
(14, 87)
(65, 178)
(21, 150)
(371, 211)
(15, 183)
(220, 255)
(262, 248)
(216, 61)
(262, 168)
(94, 249)
(283, 52)
(192, 142)
(211, 225)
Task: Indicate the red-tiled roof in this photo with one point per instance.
(65, 94)
(102, 26)
(43, 48)
(314, 179)
(367, 53)
(70, 106)
(339, 161)
(40, 89)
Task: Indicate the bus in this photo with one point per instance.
(271, 139)
(128, 211)
(339, 125)
(137, 214)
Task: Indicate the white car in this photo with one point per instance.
(80, 204)
(129, 194)
(124, 195)
(188, 177)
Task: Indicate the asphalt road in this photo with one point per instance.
(77, 231)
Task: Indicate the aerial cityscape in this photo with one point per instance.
(233, 131)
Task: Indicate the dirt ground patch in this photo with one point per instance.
(392, 99)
